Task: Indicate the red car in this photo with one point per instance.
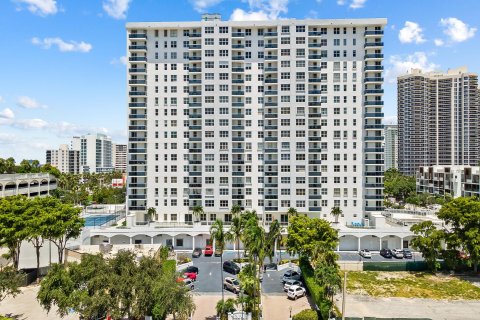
(191, 275)
(208, 250)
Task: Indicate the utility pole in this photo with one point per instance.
(344, 294)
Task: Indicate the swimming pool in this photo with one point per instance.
(98, 219)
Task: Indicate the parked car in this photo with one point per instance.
(231, 284)
(407, 254)
(397, 253)
(291, 275)
(189, 283)
(290, 283)
(365, 253)
(191, 275)
(231, 267)
(208, 250)
(191, 269)
(270, 266)
(218, 252)
(295, 292)
(386, 253)
(197, 253)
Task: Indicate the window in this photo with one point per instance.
(223, 41)
(223, 30)
(300, 28)
(209, 41)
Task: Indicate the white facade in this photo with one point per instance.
(64, 159)
(95, 153)
(268, 115)
(391, 146)
(27, 184)
(119, 157)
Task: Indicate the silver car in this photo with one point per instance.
(231, 284)
(290, 283)
(291, 275)
(397, 253)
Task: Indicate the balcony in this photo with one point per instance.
(137, 128)
(271, 92)
(195, 104)
(195, 150)
(314, 209)
(137, 93)
(271, 150)
(271, 57)
(315, 68)
(137, 174)
(377, 138)
(271, 46)
(374, 185)
(373, 44)
(373, 56)
(314, 103)
(375, 174)
(373, 197)
(137, 105)
(270, 162)
(314, 33)
(238, 150)
(374, 115)
(314, 91)
(238, 161)
(314, 56)
(193, 70)
(314, 45)
(195, 93)
(195, 46)
(137, 70)
(137, 116)
(318, 161)
(137, 81)
(137, 59)
(195, 35)
(373, 68)
(236, 139)
(195, 139)
(271, 127)
(137, 36)
(374, 161)
(270, 34)
(194, 58)
(235, 58)
(315, 150)
(271, 80)
(195, 81)
(373, 103)
(270, 69)
(373, 126)
(137, 150)
(238, 34)
(374, 150)
(236, 81)
(314, 138)
(137, 139)
(271, 115)
(238, 46)
(271, 104)
(373, 33)
(373, 91)
(135, 47)
(238, 93)
(194, 115)
(315, 80)
(238, 127)
(238, 69)
(238, 104)
(315, 173)
(270, 138)
(238, 115)
(195, 127)
(271, 196)
(316, 126)
(373, 79)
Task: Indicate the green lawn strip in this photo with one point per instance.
(410, 285)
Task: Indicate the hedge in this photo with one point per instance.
(315, 290)
(307, 314)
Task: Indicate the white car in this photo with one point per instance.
(295, 292)
(290, 283)
(397, 253)
(291, 275)
(365, 253)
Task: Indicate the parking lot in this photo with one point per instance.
(354, 256)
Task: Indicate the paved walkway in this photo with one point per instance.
(278, 306)
(26, 307)
(366, 306)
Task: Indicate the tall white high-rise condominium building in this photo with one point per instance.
(95, 153)
(438, 119)
(391, 146)
(267, 115)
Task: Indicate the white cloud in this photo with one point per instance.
(390, 120)
(63, 46)
(261, 10)
(121, 60)
(29, 103)
(7, 113)
(116, 8)
(400, 65)
(41, 7)
(457, 30)
(412, 32)
(439, 42)
(202, 5)
(354, 4)
(30, 124)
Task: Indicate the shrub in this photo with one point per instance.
(307, 314)
(315, 290)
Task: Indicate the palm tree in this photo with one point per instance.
(236, 210)
(197, 211)
(151, 212)
(272, 237)
(235, 233)
(292, 212)
(336, 212)
(218, 235)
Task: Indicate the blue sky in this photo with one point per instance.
(62, 62)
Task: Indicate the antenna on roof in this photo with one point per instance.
(211, 17)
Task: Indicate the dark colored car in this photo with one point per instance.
(197, 253)
(191, 269)
(270, 266)
(231, 267)
(407, 254)
(386, 253)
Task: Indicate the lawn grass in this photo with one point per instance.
(410, 285)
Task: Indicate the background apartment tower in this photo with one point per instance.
(268, 115)
(391, 146)
(437, 119)
(119, 156)
(95, 153)
(64, 159)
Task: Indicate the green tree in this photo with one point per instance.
(272, 238)
(218, 235)
(428, 241)
(397, 185)
(336, 212)
(13, 225)
(235, 232)
(236, 210)
(197, 211)
(310, 237)
(292, 212)
(463, 215)
(151, 212)
(327, 275)
(10, 281)
(10, 165)
(224, 308)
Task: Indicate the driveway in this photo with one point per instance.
(366, 306)
(354, 256)
(209, 279)
(278, 307)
